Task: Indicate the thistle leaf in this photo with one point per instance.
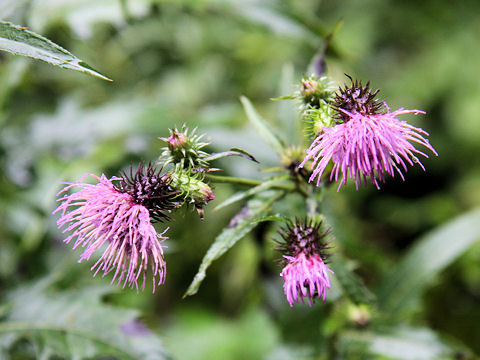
(400, 343)
(232, 152)
(256, 211)
(430, 254)
(75, 324)
(20, 41)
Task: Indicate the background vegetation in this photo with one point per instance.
(188, 61)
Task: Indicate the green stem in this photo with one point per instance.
(246, 182)
(313, 201)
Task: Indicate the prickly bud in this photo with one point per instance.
(184, 148)
(315, 91)
(191, 189)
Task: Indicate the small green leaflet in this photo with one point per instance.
(256, 210)
(20, 41)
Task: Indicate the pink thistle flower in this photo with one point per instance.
(103, 214)
(368, 143)
(305, 273)
(305, 276)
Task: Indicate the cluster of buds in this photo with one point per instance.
(316, 95)
(118, 213)
(190, 163)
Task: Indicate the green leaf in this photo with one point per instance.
(232, 152)
(276, 217)
(240, 225)
(255, 190)
(262, 126)
(350, 284)
(430, 255)
(75, 324)
(246, 154)
(20, 41)
(403, 343)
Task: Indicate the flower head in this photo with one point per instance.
(370, 142)
(305, 273)
(119, 217)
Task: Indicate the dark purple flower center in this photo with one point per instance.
(304, 237)
(149, 188)
(356, 98)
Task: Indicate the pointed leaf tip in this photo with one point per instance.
(18, 40)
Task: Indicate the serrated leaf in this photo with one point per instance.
(262, 126)
(430, 255)
(350, 284)
(255, 190)
(20, 41)
(239, 226)
(75, 324)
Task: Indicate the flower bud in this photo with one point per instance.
(315, 91)
(191, 189)
(176, 140)
(184, 148)
(318, 119)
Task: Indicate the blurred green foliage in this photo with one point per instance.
(189, 61)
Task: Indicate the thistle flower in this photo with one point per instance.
(370, 142)
(120, 218)
(305, 273)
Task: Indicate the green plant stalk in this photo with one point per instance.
(247, 182)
